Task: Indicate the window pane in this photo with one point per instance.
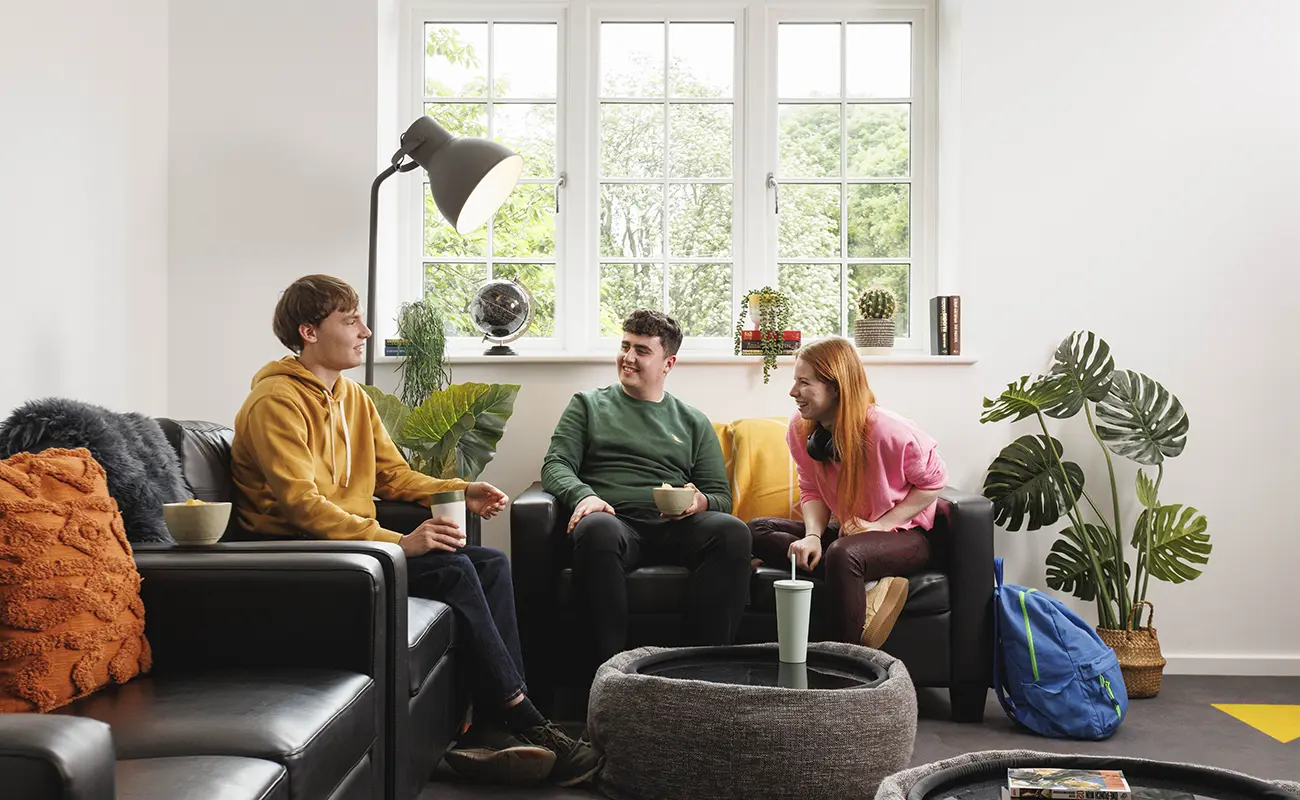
(632, 140)
(701, 59)
(699, 298)
(462, 119)
(525, 224)
(894, 277)
(455, 60)
(879, 60)
(699, 221)
(807, 60)
(442, 241)
(809, 141)
(524, 62)
(878, 141)
(809, 222)
(625, 288)
(631, 220)
(450, 287)
(632, 59)
(529, 130)
(878, 220)
(539, 280)
(699, 140)
(814, 291)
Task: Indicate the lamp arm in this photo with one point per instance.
(371, 275)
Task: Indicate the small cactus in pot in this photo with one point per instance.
(873, 330)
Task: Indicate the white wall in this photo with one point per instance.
(1123, 167)
(83, 202)
(273, 149)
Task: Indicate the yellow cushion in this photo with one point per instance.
(723, 429)
(764, 482)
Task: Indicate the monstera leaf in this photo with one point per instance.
(1176, 539)
(1022, 398)
(454, 433)
(392, 411)
(1143, 421)
(1084, 365)
(1024, 479)
(1069, 569)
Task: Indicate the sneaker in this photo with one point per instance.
(575, 761)
(491, 754)
(885, 599)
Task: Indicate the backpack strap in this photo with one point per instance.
(999, 690)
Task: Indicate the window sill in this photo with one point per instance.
(688, 359)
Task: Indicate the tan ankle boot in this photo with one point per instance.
(884, 603)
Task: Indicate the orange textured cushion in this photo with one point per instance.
(765, 482)
(71, 620)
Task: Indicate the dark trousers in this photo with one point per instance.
(848, 562)
(713, 545)
(475, 583)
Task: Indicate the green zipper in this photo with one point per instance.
(1105, 684)
(1029, 635)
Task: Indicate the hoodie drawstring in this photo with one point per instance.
(347, 443)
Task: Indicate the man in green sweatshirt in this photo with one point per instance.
(610, 449)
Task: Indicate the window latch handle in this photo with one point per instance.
(558, 184)
(776, 193)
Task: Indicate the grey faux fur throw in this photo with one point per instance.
(142, 468)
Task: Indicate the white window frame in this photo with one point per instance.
(921, 150)
(754, 148)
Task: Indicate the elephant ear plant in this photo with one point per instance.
(1032, 485)
(445, 431)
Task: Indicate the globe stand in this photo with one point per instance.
(500, 350)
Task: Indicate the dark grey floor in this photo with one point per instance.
(1180, 724)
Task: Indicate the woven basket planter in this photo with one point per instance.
(873, 334)
(1139, 655)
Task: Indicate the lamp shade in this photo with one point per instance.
(469, 178)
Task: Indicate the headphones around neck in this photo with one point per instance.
(821, 445)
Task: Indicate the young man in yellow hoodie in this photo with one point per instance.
(309, 456)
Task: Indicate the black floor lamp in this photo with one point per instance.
(469, 178)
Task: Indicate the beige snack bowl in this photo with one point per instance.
(196, 523)
(672, 502)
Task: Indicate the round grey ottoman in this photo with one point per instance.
(669, 737)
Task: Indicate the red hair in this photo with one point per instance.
(835, 361)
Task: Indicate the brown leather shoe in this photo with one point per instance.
(884, 603)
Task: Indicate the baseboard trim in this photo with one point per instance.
(1232, 665)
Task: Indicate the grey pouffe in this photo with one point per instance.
(667, 737)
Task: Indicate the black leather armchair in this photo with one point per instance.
(945, 635)
(424, 699)
(267, 679)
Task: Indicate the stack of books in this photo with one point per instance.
(1059, 783)
(945, 325)
(752, 345)
(395, 347)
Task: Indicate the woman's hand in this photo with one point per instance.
(485, 499)
(807, 552)
(859, 525)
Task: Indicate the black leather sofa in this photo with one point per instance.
(944, 636)
(424, 702)
(268, 678)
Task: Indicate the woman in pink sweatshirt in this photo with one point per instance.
(868, 480)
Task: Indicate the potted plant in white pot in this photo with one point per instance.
(873, 330)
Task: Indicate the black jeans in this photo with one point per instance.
(713, 545)
(475, 583)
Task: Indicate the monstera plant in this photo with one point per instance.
(1033, 486)
(454, 432)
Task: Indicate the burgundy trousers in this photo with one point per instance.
(847, 563)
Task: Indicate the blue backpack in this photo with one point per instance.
(1052, 673)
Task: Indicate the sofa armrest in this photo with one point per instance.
(231, 609)
(535, 516)
(56, 757)
(964, 545)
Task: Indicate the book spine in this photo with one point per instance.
(935, 335)
(945, 325)
(954, 325)
(1071, 794)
